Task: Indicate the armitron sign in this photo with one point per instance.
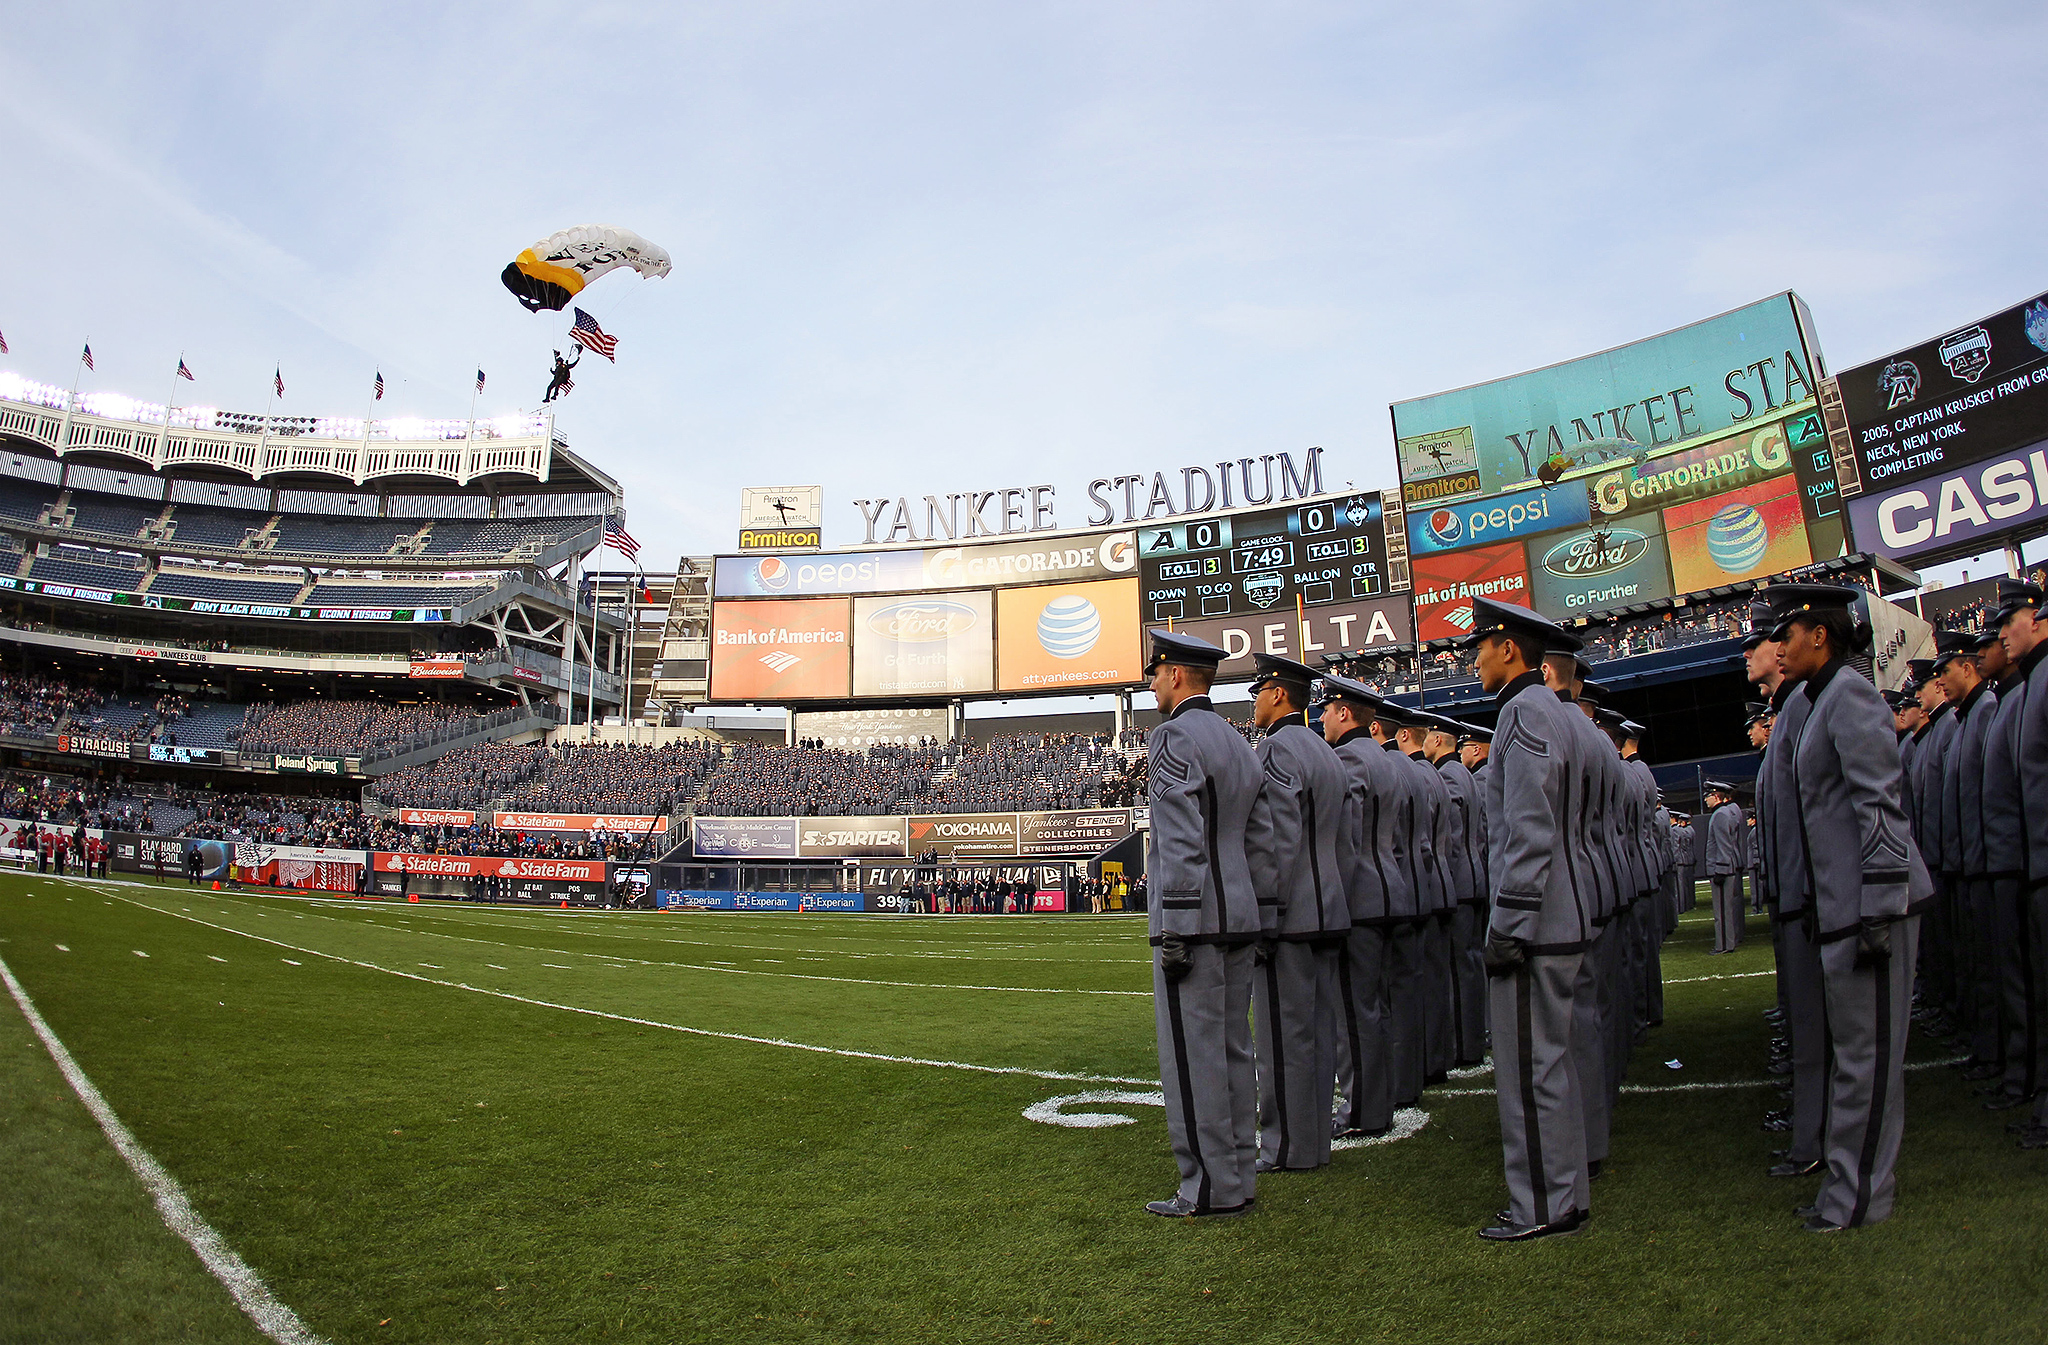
(781, 539)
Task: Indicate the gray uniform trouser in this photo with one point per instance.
(1868, 1016)
(1663, 915)
(1363, 1074)
(1592, 1007)
(1537, 1087)
(1468, 973)
(1688, 889)
(1799, 975)
(1205, 1068)
(1987, 1035)
(1727, 910)
(2011, 935)
(1407, 1015)
(1439, 1024)
(1295, 1014)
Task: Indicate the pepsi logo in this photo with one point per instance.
(1447, 526)
(772, 573)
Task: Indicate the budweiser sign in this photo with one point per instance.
(576, 822)
(437, 668)
(436, 817)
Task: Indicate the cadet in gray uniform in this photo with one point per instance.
(1962, 808)
(1208, 817)
(1454, 879)
(1537, 931)
(1468, 967)
(1475, 747)
(1866, 898)
(1300, 882)
(1727, 843)
(1415, 846)
(2023, 630)
(2001, 823)
(1382, 901)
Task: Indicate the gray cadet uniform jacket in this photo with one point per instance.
(1654, 839)
(1467, 872)
(1595, 855)
(1424, 817)
(1537, 894)
(1447, 834)
(1846, 772)
(1963, 797)
(1727, 841)
(1482, 840)
(1376, 873)
(1307, 797)
(1777, 802)
(2034, 758)
(2003, 820)
(1207, 811)
(1930, 769)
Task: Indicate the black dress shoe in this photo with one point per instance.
(1780, 1155)
(1180, 1207)
(1432, 1080)
(2025, 1127)
(1360, 1132)
(1819, 1225)
(1596, 1169)
(1805, 1211)
(1788, 1168)
(1987, 1070)
(2035, 1139)
(1263, 1166)
(1778, 1067)
(1777, 1123)
(1508, 1231)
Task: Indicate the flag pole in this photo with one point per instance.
(156, 460)
(626, 715)
(77, 372)
(571, 646)
(269, 401)
(590, 703)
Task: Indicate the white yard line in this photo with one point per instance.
(250, 1293)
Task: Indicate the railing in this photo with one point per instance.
(354, 449)
(456, 732)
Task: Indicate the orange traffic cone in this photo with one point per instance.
(216, 884)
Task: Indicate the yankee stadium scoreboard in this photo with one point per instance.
(1240, 564)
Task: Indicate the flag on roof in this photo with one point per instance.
(87, 356)
(3, 343)
(183, 372)
(279, 377)
(590, 336)
(380, 385)
(479, 380)
(618, 539)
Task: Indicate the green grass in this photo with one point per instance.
(411, 1161)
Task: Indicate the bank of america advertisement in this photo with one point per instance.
(1745, 534)
(1068, 635)
(793, 649)
(931, 645)
(1446, 584)
(1590, 414)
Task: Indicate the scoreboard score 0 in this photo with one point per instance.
(1322, 551)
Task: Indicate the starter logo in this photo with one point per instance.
(1899, 383)
(780, 661)
(1447, 526)
(1967, 353)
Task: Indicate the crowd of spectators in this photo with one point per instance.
(1022, 772)
(621, 778)
(764, 780)
(34, 705)
(340, 728)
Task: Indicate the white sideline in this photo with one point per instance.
(250, 1293)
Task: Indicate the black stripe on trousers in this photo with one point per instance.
(1532, 1128)
(1880, 1086)
(2027, 930)
(1187, 1094)
(1279, 1063)
(1351, 1030)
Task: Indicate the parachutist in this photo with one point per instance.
(560, 383)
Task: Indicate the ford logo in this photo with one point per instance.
(1602, 551)
(925, 621)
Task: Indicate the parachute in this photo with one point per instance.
(553, 271)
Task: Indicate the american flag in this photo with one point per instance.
(279, 377)
(87, 356)
(590, 336)
(618, 539)
(380, 385)
(479, 380)
(185, 373)
(3, 345)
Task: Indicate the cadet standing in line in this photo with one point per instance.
(1962, 806)
(1415, 846)
(1657, 919)
(1726, 840)
(1930, 765)
(1866, 899)
(1454, 882)
(1300, 882)
(1208, 816)
(2024, 633)
(1537, 930)
(1781, 839)
(1468, 968)
(1382, 902)
(1475, 748)
(2002, 821)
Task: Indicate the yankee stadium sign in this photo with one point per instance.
(1111, 499)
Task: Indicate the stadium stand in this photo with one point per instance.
(220, 529)
(303, 535)
(391, 595)
(105, 571)
(185, 584)
(109, 517)
(350, 727)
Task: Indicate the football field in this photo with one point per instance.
(433, 1122)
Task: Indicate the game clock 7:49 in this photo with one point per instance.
(1321, 551)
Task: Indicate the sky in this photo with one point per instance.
(927, 248)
